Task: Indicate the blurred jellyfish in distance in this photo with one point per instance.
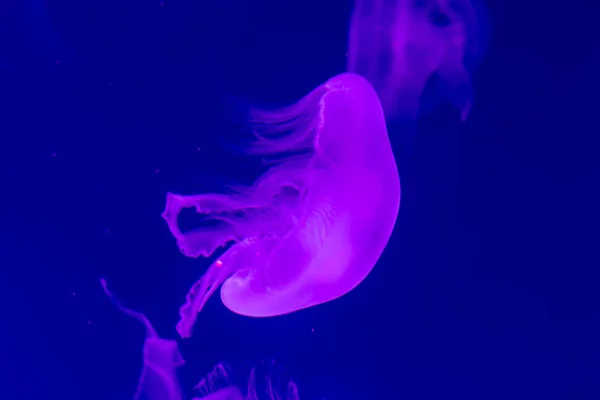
(400, 45)
(313, 226)
(158, 380)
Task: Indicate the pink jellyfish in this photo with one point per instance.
(314, 225)
(398, 45)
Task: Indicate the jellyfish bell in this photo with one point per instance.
(400, 45)
(314, 225)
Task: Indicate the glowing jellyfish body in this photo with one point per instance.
(399, 45)
(313, 226)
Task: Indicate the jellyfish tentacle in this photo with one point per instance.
(204, 204)
(197, 297)
(205, 241)
(220, 270)
(292, 391)
(252, 395)
(150, 331)
(273, 393)
(217, 385)
(289, 129)
(252, 206)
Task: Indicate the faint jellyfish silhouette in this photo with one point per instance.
(400, 45)
(158, 380)
(314, 225)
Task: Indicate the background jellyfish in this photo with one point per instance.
(313, 226)
(158, 380)
(400, 45)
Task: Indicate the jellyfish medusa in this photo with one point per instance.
(401, 45)
(158, 380)
(313, 226)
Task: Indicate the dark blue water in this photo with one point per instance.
(487, 290)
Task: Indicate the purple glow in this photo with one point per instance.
(314, 225)
(399, 45)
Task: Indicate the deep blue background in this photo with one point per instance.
(487, 290)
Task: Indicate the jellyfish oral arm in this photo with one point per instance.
(198, 295)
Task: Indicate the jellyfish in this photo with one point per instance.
(400, 46)
(158, 380)
(312, 227)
